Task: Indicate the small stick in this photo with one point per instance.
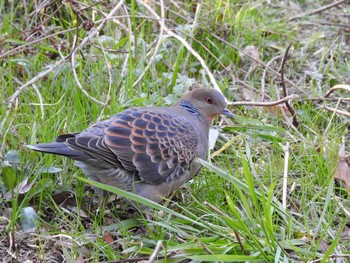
(217, 210)
(346, 26)
(245, 252)
(324, 99)
(336, 87)
(264, 104)
(318, 10)
(155, 252)
(202, 245)
(291, 110)
(341, 112)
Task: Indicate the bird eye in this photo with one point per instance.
(209, 100)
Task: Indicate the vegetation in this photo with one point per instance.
(268, 193)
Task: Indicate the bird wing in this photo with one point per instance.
(158, 145)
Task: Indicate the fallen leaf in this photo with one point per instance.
(22, 188)
(252, 51)
(80, 259)
(345, 234)
(248, 94)
(342, 171)
(323, 246)
(108, 238)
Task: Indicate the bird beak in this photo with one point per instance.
(227, 113)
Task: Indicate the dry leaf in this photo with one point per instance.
(343, 171)
(22, 188)
(295, 6)
(323, 246)
(248, 94)
(80, 259)
(251, 51)
(345, 234)
(108, 238)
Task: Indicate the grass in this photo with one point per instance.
(233, 210)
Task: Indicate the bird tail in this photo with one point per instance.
(58, 148)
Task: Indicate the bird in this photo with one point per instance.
(150, 151)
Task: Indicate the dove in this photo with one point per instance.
(149, 151)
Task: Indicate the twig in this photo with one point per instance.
(344, 113)
(202, 245)
(336, 87)
(324, 99)
(318, 10)
(264, 104)
(155, 252)
(285, 176)
(289, 122)
(285, 94)
(323, 23)
(238, 237)
(217, 210)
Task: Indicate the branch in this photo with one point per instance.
(291, 110)
(318, 10)
(264, 104)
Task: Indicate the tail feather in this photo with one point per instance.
(58, 148)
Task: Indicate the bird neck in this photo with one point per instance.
(192, 110)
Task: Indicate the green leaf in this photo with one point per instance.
(49, 170)
(9, 177)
